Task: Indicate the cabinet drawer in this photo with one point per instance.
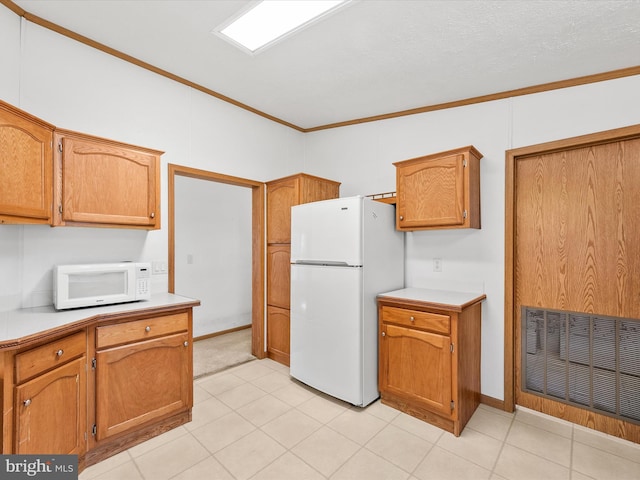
(120, 333)
(414, 318)
(53, 354)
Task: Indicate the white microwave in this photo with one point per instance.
(89, 285)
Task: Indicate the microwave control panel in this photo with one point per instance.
(143, 282)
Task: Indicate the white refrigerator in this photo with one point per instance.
(343, 253)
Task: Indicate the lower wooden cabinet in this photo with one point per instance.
(142, 381)
(51, 411)
(429, 356)
(278, 328)
(101, 389)
(406, 352)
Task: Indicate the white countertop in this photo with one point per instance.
(18, 324)
(445, 298)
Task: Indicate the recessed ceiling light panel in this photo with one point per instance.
(268, 21)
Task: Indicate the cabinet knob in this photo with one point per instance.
(153, 215)
(401, 217)
(27, 402)
(59, 353)
(147, 328)
(186, 344)
(384, 334)
(412, 318)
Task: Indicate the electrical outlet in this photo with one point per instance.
(437, 264)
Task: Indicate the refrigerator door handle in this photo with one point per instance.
(324, 263)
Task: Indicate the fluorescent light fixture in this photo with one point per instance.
(270, 20)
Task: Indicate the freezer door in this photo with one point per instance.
(328, 231)
(326, 329)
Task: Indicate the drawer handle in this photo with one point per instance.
(59, 353)
(27, 402)
(147, 328)
(412, 318)
(186, 344)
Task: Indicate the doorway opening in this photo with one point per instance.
(257, 241)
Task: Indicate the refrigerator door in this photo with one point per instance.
(326, 329)
(327, 232)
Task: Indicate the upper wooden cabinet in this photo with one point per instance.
(26, 172)
(59, 177)
(100, 182)
(284, 193)
(439, 191)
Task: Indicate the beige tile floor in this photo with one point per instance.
(254, 422)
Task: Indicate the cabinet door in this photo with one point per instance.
(108, 184)
(313, 189)
(278, 278)
(26, 166)
(141, 382)
(431, 193)
(51, 413)
(278, 328)
(417, 365)
(281, 197)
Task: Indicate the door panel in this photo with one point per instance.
(140, 382)
(575, 231)
(51, 412)
(278, 288)
(409, 353)
(108, 184)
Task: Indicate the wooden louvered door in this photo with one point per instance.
(575, 246)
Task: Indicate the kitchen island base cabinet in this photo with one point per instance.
(429, 361)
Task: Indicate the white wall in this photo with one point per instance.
(213, 240)
(79, 88)
(361, 157)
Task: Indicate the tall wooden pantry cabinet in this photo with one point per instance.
(282, 194)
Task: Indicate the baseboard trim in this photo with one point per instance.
(493, 402)
(217, 334)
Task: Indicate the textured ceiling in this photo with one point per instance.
(371, 58)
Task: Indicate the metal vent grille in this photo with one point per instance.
(585, 360)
